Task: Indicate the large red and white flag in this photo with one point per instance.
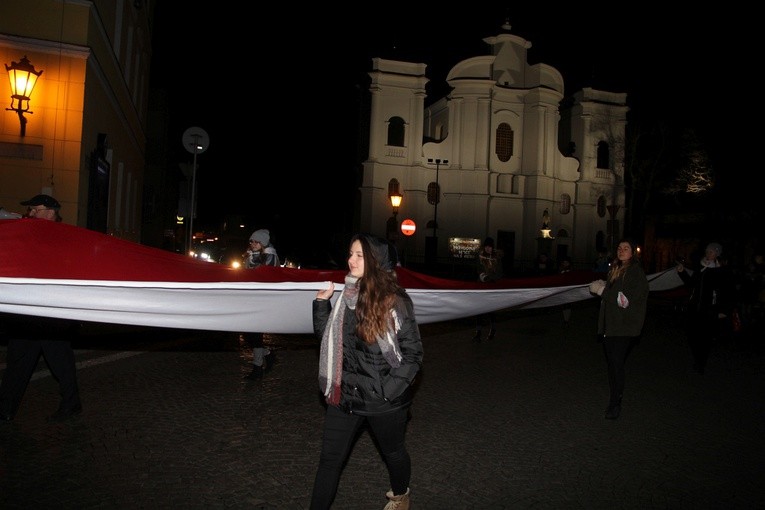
(53, 269)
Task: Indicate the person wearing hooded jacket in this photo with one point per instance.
(370, 353)
(260, 253)
(623, 307)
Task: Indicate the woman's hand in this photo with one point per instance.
(326, 293)
(597, 287)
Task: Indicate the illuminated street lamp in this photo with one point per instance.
(23, 78)
(395, 201)
(392, 224)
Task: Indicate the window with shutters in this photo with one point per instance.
(565, 203)
(504, 146)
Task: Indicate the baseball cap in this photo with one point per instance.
(44, 200)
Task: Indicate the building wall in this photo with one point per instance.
(481, 195)
(95, 58)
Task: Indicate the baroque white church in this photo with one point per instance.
(505, 154)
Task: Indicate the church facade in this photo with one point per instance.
(501, 155)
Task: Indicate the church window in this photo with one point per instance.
(603, 155)
(504, 145)
(396, 129)
(601, 206)
(565, 203)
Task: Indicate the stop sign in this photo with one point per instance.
(408, 227)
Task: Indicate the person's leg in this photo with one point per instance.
(492, 329)
(478, 325)
(390, 432)
(21, 360)
(259, 353)
(616, 350)
(60, 358)
(340, 430)
(699, 341)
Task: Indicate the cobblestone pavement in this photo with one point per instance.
(515, 422)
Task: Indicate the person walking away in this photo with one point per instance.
(370, 353)
(260, 253)
(489, 270)
(29, 337)
(709, 285)
(623, 306)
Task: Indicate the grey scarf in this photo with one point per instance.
(331, 352)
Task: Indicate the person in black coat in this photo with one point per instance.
(30, 337)
(370, 353)
(710, 286)
(623, 307)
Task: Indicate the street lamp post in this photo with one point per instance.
(395, 202)
(434, 196)
(196, 141)
(392, 225)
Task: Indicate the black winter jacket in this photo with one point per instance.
(369, 384)
(616, 321)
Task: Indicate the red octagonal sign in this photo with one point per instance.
(408, 227)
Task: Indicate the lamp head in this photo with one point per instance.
(23, 78)
(395, 201)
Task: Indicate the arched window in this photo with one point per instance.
(603, 155)
(504, 147)
(393, 187)
(396, 130)
(601, 206)
(565, 203)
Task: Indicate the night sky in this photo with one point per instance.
(309, 65)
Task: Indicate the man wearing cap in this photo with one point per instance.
(710, 288)
(44, 207)
(29, 337)
(260, 253)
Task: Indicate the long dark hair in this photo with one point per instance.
(378, 288)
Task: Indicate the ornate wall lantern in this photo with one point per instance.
(23, 78)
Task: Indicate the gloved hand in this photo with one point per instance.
(597, 287)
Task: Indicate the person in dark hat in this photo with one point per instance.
(43, 206)
(370, 353)
(29, 337)
(489, 270)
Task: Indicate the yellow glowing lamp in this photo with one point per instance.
(23, 78)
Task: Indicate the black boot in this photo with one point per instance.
(257, 373)
(613, 411)
(492, 332)
(477, 337)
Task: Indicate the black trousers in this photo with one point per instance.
(487, 318)
(702, 330)
(616, 349)
(23, 355)
(340, 433)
